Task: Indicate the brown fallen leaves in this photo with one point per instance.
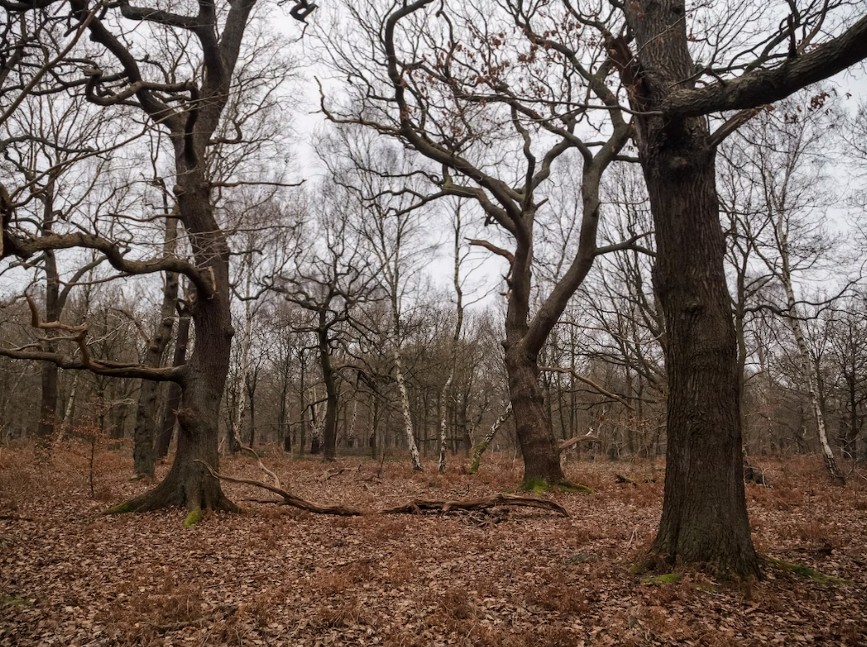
(498, 577)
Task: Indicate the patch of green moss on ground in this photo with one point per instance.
(14, 601)
(806, 572)
(194, 517)
(658, 580)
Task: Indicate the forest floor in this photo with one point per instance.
(278, 576)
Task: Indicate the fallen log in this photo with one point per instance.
(425, 505)
(288, 498)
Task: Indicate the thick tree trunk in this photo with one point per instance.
(48, 404)
(532, 423)
(704, 515)
(50, 371)
(188, 483)
(329, 429)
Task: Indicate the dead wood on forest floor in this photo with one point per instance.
(415, 506)
(498, 500)
(288, 498)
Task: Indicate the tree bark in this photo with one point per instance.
(329, 429)
(807, 372)
(405, 408)
(704, 516)
(188, 483)
(143, 433)
(53, 307)
(173, 399)
(483, 444)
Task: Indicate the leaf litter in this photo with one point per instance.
(503, 577)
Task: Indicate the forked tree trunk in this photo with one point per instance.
(173, 399)
(188, 484)
(145, 420)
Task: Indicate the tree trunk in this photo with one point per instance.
(173, 399)
(405, 408)
(807, 371)
(329, 429)
(532, 423)
(66, 422)
(188, 483)
(480, 448)
(444, 412)
(145, 420)
(252, 383)
(704, 515)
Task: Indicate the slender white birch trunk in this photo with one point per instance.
(456, 337)
(480, 448)
(407, 415)
(350, 434)
(241, 382)
(804, 353)
(444, 415)
(67, 412)
(319, 427)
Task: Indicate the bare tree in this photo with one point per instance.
(654, 45)
(447, 85)
(330, 277)
(190, 111)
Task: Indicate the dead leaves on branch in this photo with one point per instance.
(415, 506)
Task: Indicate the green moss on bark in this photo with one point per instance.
(540, 486)
(123, 508)
(194, 517)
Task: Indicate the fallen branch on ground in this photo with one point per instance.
(261, 464)
(424, 505)
(288, 499)
(412, 507)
